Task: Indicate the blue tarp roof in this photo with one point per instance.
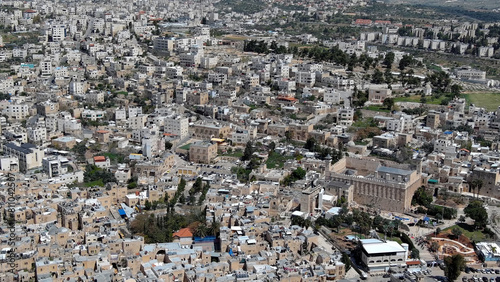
(121, 212)
(204, 239)
(448, 132)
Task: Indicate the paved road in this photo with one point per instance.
(316, 119)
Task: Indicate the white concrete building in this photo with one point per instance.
(94, 97)
(28, 154)
(471, 74)
(93, 114)
(37, 134)
(177, 125)
(378, 255)
(17, 111)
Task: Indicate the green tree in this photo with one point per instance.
(214, 228)
(168, 145)
(439, 80)
(406, 61)
(456, 232)
(299, 173)
(478, 213)
(132, 185)
(388, 76)
(434, 247)
(478, 183)
(346, 260)
(272, 146)
(310, 143)
(93, 173)
(247, 154)
(461, 219)
(79, 149)
(377, 77)
(182, 183)
(197, 186)
(453, 266)
(415, 253)
(147, 205)
(388, 103)
(388, 60)
(456, 89)
(422, 197)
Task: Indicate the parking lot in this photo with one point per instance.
(480, 277)
(484, 274)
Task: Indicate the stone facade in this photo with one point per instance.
(375, 189)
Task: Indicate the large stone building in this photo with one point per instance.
(471, 74)
(209, 131)
(202, 152)
(28, 154)
(490, 182)
(378, 95)
(378, 255)
(376, 184)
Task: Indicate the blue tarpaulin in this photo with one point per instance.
(204, 239)
(122, 212)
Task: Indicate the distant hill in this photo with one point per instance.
(467, 4)
(480, 10)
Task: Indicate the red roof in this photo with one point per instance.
(413, 262)
(99, 159)
(363, 21)
(183, 233)
(382, 22)
(30, 11)
(102, 131)
(169, 134)
(284, 98)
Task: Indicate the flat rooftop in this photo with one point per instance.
(391, 170)
(375, 246)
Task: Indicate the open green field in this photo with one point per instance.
(416, 99)
(234, 154)
(469, 232)
(234, 37)
(98, 182)
(276, 160)
(185, 147)
(377, 108)
(489, 101)
(388, 237)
